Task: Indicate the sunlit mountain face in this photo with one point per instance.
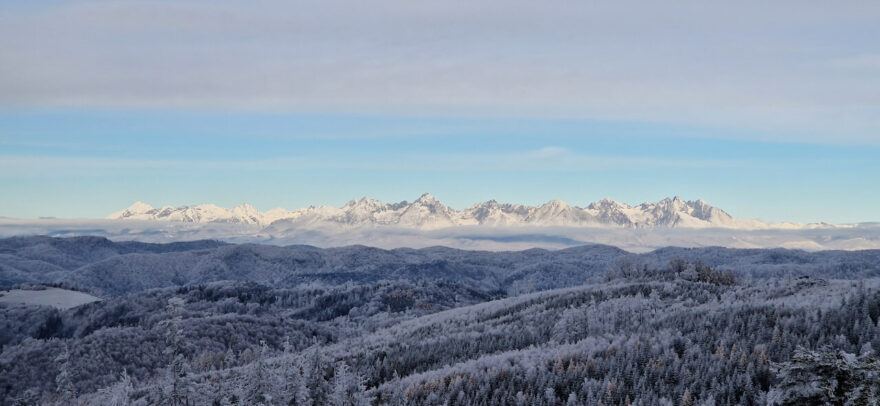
(427, 212)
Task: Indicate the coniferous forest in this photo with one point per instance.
(210, 323)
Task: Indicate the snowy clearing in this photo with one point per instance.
(55, 297)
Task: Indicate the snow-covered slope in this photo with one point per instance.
(429, 213)
(202, 213)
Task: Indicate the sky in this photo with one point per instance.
(769, 110)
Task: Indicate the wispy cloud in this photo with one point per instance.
(552, 159)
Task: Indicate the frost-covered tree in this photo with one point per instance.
(295, 390)
(262, 382)
(828, 378)
(462, 336)
(177, 390)
(65, 387)
(572, 326)
(118, 394)
(550, 396)
(348, 387)
(314, 374)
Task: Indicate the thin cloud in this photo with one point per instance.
(544, 159)
(864, 62)
(747, 64)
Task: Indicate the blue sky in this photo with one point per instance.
(768, 110)
(88, 163)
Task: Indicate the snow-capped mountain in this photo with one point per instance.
(202, 213)
(429, 213)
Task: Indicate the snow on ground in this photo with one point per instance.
(55, 297)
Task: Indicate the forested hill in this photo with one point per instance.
(658, 338)
(208, 323)
(108, 268)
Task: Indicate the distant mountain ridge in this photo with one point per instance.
(427, 212)
(107, 268)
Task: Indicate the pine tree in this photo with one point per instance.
(572, 325)
(314, 376)
(521, 399)
(178, 369)
(288, 346)
(118, 394)
(261, 383)
(348, 388)
(398, 396)
(64, 380)
(550, 396)
(777, 335)
(295, 389)
(229, 360)
(686, 398)
(121, 392)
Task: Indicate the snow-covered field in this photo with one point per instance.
(55, 297)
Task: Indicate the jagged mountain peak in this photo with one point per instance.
(556, 203)
(427, 198)
(139, 207)
(428, 212)
(364, 202)
(606, 203)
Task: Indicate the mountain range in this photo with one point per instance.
(427, 212)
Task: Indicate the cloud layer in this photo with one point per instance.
(790, 67)
(865, 236)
